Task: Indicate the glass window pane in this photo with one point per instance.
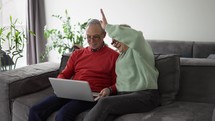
(16, 9)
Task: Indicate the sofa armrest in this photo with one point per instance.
(22, 81)
(197, 80)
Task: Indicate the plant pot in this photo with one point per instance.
(5, 61)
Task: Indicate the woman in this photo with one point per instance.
(137, 75)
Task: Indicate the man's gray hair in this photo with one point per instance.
(95, 21)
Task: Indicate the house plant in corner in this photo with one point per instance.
(67, 37)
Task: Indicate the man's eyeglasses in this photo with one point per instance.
(94, 37)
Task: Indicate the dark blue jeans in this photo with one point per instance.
(67, 109)
(108, 108)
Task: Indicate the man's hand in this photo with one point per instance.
(104, 20)
(105, 92)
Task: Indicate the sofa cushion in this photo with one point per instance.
(211, 56)
(22, 105)
(177, 111)
(181, 48)
(168, 80)
(197, 80)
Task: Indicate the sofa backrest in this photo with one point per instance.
(187, 49)
(203, 49)
(181, 48)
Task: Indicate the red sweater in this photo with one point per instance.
(98, 68)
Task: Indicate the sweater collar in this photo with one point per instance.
(97, 50)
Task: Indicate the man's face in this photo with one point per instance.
(95, 36)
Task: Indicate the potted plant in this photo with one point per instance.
(65, 38)
(15, 38)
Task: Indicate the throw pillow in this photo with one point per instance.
(169, 74)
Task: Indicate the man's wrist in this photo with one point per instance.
(110, 89)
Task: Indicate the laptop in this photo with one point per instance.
(73, 89)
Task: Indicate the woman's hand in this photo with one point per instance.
(116, 44)
(104, 20)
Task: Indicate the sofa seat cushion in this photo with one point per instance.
(177, 111)
(21, 105)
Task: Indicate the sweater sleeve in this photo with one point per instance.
(132, 38)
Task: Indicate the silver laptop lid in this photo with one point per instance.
(72, 89)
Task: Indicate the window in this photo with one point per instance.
(16, 9)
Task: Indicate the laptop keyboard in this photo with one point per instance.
(95, 94)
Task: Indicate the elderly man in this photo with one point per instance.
(94, 64)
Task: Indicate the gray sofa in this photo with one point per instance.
(186, 84)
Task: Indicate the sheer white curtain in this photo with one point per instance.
(35, 22)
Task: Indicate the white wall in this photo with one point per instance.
(158, 19)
